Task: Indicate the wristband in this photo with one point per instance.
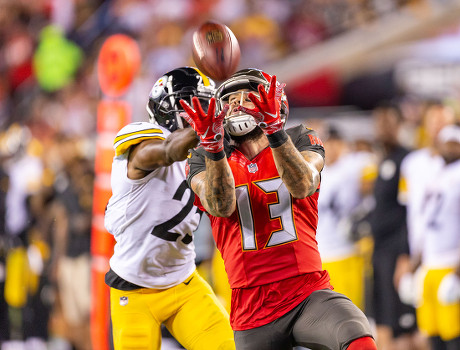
(215, 156)
(277, 138)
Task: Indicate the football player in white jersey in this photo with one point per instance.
(438, 313)
(418, 169)
(152, 274)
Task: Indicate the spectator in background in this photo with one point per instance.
(4, 245)
(341, 195)
(306, 28)
(395, 321)
(26, 317)
(25, 171)
(36, 311)
(164, 44)
(259, 37)
(72, 210)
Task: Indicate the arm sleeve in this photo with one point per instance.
(195, 164)
(305, 139)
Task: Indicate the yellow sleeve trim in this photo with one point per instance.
(403, 191)
(146, 131)
(369, 172)
(124, 146)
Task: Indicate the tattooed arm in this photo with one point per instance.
(216, 188)
(298, 170)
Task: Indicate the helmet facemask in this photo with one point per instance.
(237, 123)
(167, 111)
(246, 81)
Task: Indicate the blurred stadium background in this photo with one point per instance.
(340, 60)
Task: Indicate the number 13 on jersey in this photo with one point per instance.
(281, 210)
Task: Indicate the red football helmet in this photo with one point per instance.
(240, 123)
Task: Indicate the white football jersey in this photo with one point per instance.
(152, 219)
(418, 169)
(441, 219)
(339, 196)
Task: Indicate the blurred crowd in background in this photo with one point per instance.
(48, 101)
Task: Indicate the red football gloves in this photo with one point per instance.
(267, 109)
(208, 126)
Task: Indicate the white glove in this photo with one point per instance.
(410, 289)
(449, 289)
(406, 289)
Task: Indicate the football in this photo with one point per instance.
(215, 50)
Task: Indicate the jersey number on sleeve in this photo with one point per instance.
(282, 209)
(162, 230)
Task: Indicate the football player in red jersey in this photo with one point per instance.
(260, 191)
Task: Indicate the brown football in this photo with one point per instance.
(215, 50)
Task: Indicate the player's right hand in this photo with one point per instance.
(208, 126)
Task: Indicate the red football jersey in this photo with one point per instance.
(271, 235)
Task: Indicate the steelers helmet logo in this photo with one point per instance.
(158, 87)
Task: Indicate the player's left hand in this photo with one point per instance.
(267, 110)
(449, 289)
(208, 126)
(410, 288)
(406, 289)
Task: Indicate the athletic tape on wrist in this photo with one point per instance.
(277, 139)
(215, 156)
